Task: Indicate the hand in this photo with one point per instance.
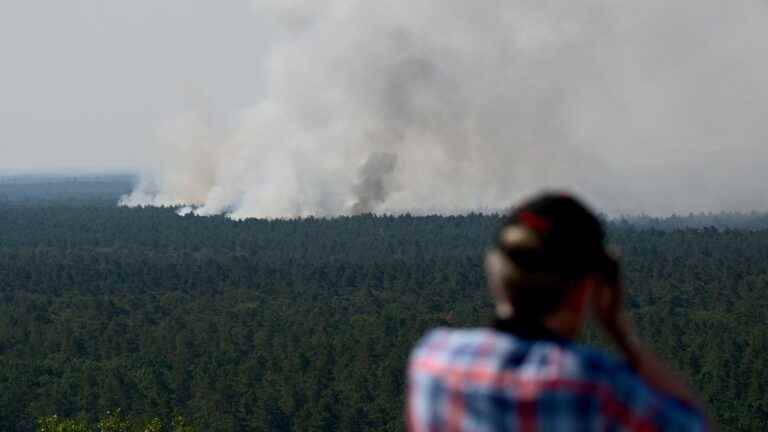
(607, 298)
(608, 305)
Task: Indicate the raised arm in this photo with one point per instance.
(609, 309)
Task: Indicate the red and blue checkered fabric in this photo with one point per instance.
(488, 380)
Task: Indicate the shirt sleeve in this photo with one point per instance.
(654, 408)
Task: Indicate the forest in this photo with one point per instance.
(139, 316)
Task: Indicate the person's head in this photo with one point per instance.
(548, 256)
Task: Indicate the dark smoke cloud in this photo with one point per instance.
(375, 182)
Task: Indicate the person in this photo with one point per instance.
(549, 266)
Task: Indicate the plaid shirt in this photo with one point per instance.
(491, 380)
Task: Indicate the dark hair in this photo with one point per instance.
(534, 296)
(551, 242)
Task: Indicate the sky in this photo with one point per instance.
(283, 108)
(86, 84)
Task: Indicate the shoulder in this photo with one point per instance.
(444, 353)
(465, 346)
(486, 344)
(454, 341)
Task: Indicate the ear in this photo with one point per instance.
(496, 273)
(498, 270)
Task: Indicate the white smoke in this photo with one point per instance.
(455, 105)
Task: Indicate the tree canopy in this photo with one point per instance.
(307, 324)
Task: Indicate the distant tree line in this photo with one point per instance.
(64, 190)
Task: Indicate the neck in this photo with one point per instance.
(563, 324)
(528, 328)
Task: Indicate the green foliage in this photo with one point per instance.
(307, 324)
(155, 425)
(55, 424)
(113, 421)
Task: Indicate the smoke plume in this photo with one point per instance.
(452, 105)
(373, 188)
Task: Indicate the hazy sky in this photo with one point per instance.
(85, 84)
(275, 108)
